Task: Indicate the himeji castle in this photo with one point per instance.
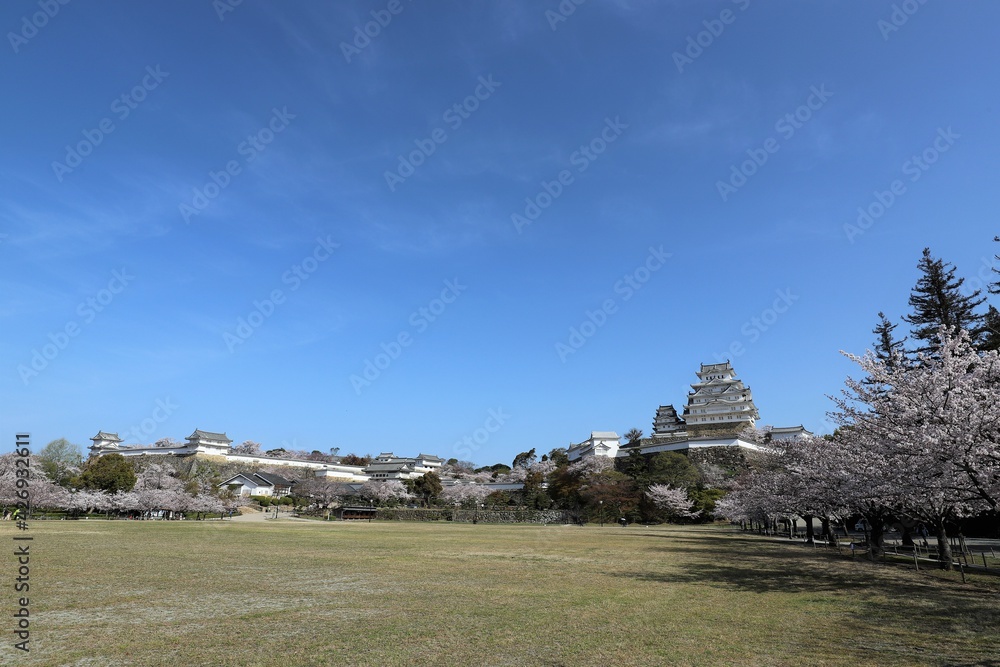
(719, 407)
(719, 403)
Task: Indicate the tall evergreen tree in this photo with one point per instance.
(887, 348)
(886, 345)
(937, 301)
(991, 337)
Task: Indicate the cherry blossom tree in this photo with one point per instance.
(465, 494)
(800, 477)
(929, 433)
(591, 465)
(44, 493)
(919, 441)
(757, 496)
(88, 501)
(209, 504)
(521, 473)
(125, 501)
(324, 492)
(384, 491)
(674, 502)
(47, 494)
(760, 435)
(247, 448)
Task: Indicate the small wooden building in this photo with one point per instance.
(351, 513)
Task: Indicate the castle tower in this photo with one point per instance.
(719, 403)
(103, 442)
(207, 442)
(667, 423)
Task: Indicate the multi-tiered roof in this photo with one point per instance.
(719, 399)
(667, 423)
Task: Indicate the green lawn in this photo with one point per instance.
(314, 593)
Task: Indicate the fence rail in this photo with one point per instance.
(964, 559)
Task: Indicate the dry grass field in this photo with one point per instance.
(293, 593)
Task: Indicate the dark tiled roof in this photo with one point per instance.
(101, 435)
(273, 480)
(208, 435)
(388, 467)
(342, 489)
(247, 476)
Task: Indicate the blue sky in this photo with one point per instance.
(168, 170)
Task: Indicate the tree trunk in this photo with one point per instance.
(826, 526)
(810, 532)
(944, 546)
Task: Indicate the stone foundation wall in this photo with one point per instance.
(731, 459)
(729, 430)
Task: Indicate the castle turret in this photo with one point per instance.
(206, 442)
(667, 423)
(104, 442)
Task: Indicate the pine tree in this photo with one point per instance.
(937, 301)
(991, 337)
(886, 346)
